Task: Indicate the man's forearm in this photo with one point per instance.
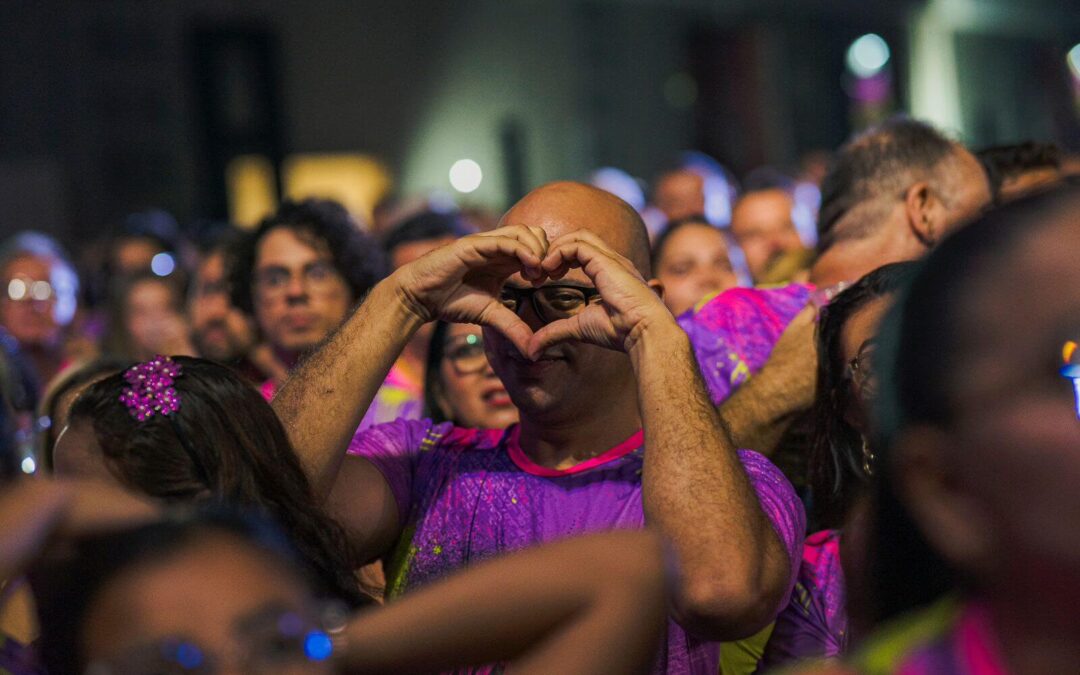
(697, 492)
(323, 401)
(759, 412)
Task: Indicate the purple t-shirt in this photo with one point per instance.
(734, 333)
(465, 495)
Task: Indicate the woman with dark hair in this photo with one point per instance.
(460, 386)
(216, 592)
(186, 429)
(695, 260)
(147, 317)
(815, 623)
(978, 420)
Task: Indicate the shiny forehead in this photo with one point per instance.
(564, 207)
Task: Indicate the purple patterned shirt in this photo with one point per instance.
(466, 495)
(734, 333)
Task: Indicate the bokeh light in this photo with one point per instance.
(867, 55)
(465, 175)
(162, 264)
(1074, 60)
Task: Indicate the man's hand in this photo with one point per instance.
(460, 282)
(628, 306)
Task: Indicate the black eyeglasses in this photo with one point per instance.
(551, 302)
(859, 369)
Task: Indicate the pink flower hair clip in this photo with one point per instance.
(151, 389)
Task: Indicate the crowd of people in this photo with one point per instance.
(807, 423)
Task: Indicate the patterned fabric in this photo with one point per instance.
(466, 495)
(397, 398)
(814, 623)
(947, 638)
(734, 332)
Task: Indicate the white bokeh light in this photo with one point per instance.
(1074, 60)
(162, 264)
(867, 55)
(465, 175)
(29, 465)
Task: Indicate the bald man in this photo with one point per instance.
(616, 427)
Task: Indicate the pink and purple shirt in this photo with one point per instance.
(734, 333)
(466, 495)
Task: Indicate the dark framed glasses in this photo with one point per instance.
(860, 369)
(551, 302)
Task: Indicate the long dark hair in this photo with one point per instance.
(433, 385)
(67, 584)
(836, 455)
(922, 341)
(224, 443)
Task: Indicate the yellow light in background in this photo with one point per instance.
(357, 181)
(249, 181)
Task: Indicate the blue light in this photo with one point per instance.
(1072, 372)
(318, 646)
(162, 264)
(188, 656)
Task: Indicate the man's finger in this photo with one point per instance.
(556, 332)
(509, 325)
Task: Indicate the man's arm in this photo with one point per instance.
(695, 489)
(735, 570)
(760, 411)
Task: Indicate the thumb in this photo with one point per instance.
(509, 324)
(553, 333)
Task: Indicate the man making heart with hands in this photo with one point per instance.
(617, 430)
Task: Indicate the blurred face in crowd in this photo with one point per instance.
(469, 393)
(694, 262)
(680, 194)
(858, 342)
(37, 299)
(761, 224)
(132, 255)
(1000, 497)
(300, 297)
(221, 331)
(230, 603)
(403, 254)
(153, 319)
(571, 378)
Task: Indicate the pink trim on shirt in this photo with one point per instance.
(974, 640)
(513, 448)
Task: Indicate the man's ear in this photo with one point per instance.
(922, 208)
(657, 287)
(953, 521)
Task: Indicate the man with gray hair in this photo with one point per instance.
(892, 193)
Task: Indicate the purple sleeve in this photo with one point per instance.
(394, 448)
(734, 333)
(782, 507)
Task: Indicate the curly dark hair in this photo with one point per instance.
(326, 225)
(225, 443)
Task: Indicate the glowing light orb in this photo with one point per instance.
(867, 55)
(1073, 59)
(29, 465)
(162, 264)
(465, 175)
(318, 646)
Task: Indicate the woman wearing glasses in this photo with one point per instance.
(460, 385)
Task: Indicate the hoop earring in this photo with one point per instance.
(867, 458)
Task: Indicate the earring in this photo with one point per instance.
(867, 458)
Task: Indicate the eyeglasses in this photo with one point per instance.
(859, 369)
(20, 289)
(271, 642)
(273, 282)
(551, 302)
(466, 355)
